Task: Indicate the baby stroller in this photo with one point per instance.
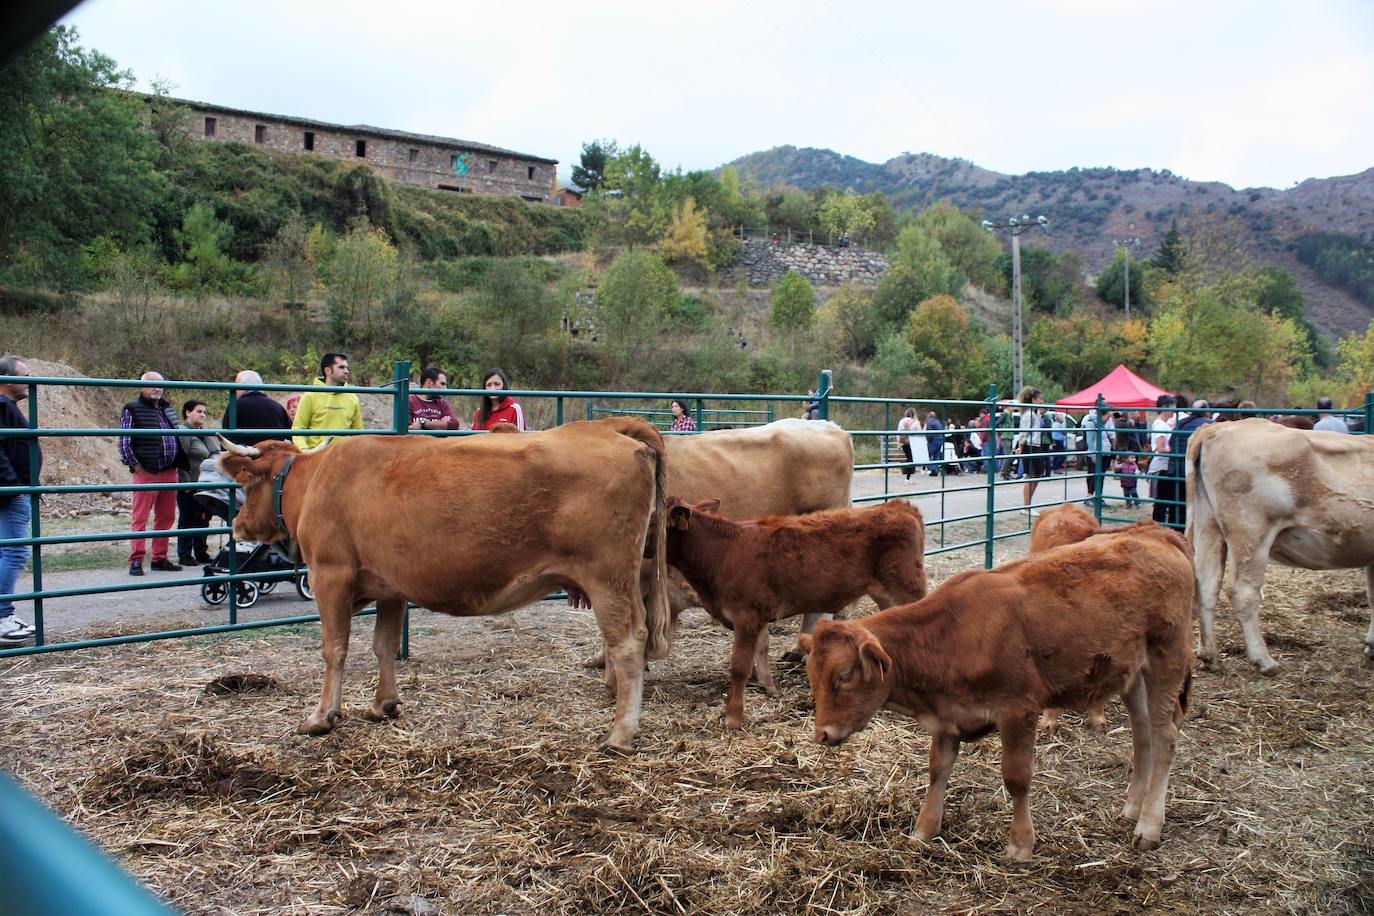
(253, 558)
(250, 557)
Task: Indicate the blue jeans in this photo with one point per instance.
(14, 523)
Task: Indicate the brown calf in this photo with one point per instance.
(990, 649)
(749, 574)
(1065, 524)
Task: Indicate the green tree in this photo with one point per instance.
(1080, 348)
(75, 161)
(892, 364)
(636, 296)
(1213, 340)
(590, 171)
(1045, 285)
(514, 313)
(1169, 257)
(970, 250)
(845, 213)
(951, 355)
(290, 271)
(361, 273)
(794, 303)
(202, 239)
(1111, 283)
(1355, 366)
(847, 317)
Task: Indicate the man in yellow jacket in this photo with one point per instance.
(326, 410)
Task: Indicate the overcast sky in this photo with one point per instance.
(1253, 93)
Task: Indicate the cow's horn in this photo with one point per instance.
(315, 448)
(247, 451)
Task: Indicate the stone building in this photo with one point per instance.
(439, 163)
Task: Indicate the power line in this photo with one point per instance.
(901, 80)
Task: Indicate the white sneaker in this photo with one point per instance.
(13, 630)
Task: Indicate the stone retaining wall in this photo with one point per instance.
(767, 261)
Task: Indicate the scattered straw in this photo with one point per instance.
(490, 794)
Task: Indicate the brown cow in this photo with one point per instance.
(469, 527)
(1065, 524)
(749, 574)
(788, 467)
(991, 648)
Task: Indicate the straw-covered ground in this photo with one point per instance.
(490, 794)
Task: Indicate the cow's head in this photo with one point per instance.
(680, 522)
(254, 467)
(850, 676)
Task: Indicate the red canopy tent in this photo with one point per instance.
(1120, 388)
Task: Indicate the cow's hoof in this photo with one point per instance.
(1369, 651)
(734, 722)
(1269, 667)
(1145, 839)
(596, 661)
(1208, 662)
(1049, 723)
(318, 725)
(380, 712)
(793, 657)
(620, 742)
(1098, 723)
(1020, 853)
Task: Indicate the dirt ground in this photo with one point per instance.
(491, 794)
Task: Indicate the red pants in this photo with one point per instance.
(163, 505)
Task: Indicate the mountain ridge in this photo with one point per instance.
(1089, 207)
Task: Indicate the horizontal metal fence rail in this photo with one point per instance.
(976, 472)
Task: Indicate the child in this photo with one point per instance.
(1128, 468)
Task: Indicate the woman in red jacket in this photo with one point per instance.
(497, 408)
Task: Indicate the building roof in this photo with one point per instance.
(365, 129)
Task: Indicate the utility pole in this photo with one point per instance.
(1015, 226)
(1125, 245)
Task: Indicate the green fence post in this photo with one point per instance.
(400, 422)
(400, 397)
(823, 394)
(233, 558)
(1099, 480)
(35, 523)
(558, 412)
(1369, 413)
(771, 417)
(882, 443)
(697, 410)
(591, 411)
(991, 439)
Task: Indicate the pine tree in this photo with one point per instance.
(1169, 258)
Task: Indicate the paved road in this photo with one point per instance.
(182, 606)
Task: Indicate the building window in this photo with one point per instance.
(360, 148)
(260, 133)
(309, 139)
(210, 125)
(491, 165)
(529, 170)
(414, 154)
(453, 161)
(455, 189)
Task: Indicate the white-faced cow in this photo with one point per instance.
(788, 467)
(989, 649)
(748, 574)
(469, 527)
(1258, 492)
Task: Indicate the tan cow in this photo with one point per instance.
(470, 527)
(989, 649)
(788, 467)
(1258, 492)
(751, 573)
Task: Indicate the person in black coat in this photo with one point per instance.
(256, 410)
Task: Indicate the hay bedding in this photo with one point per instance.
(489, 795)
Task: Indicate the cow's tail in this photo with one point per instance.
(657, 614)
